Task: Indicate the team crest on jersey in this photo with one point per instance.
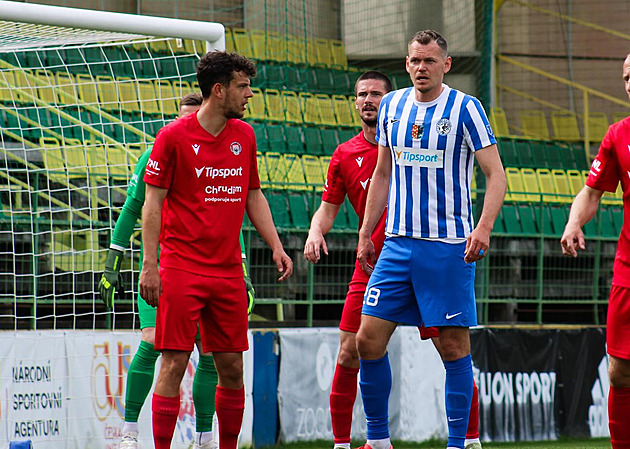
(236, 148)
(416, 131)
(443, 127)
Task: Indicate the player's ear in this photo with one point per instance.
(217, 90)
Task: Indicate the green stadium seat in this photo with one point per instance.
(260, 130)
(511, 220)
(298, 208)
(539, 154)
(313, 140)
(608, 227)
(320, 80)
(330, 139)
(558, 215)
(271, 76)
(276, 139)
(341, 83)
(590, 229)
(508, 152)
(294, 137)
(525, 154)
(526, 218)
(499, 226)
(543, 219)
(579, 155)
(353, 218)
(279, 208)
(296, 78)
(341, 220)
(617, 216)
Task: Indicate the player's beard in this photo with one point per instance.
(371, 123)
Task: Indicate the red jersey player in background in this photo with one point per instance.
(349, 173)
(201, 178)
(611, 166)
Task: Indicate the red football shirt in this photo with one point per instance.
(612, 165)
(349, 173)
(208, 179)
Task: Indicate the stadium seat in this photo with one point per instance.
(263, 174)
(609, 198)
(525, 153)
(526, 218)
(276, 46)
(546, 184)
(355, 114)
(7, 81)
(88, 93)
(276, 139)
(256, 106)
(534, 124)
(562, 186)
(353, 218)
(229, 40)
(242, 42)
(617, 217)
(277, 169)
(295, 139)
(76, 158)
(107, 93)
(508, 152)
(313, 140)
(326, 112)
(342, 111)
(45, 82)
(341, 83)
(607, 224)
(128, 94)
(274, 106)
(346, 134)
(582, 161)
(539, 154)
(262, 142)
(296, 51)
(330, 139)
(295, 172)
(310, 108)
(558, 214)
(565, 126)
(313, 171)
(324, 52)
(576, 181)
(516, 186)
(510, 219)
(260, 48)
(271, 76)
(298, 208)
(338, 52)
(279, 208)
(499, 122)
(167, 101)
(543, 219)
(530, 181)
(68, 93)
(53, 156)
(559, 156)
(341, 220)
(597, 126)
(180, 88)
(292, 107)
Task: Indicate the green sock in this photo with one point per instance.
(139, 380)
(204, 388)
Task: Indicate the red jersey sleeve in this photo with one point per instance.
(161, 164)
(335, 189)
(254, 178)
(604, 172)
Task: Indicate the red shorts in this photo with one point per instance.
(351, 315)
(217, 305)
(618, 323)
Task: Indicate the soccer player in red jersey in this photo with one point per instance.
(201, 178)
(349, 173)
(611, 166)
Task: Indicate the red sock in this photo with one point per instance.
(229, 405)
(619, 417)
(342, 397)
(165, 411)
(473, 419)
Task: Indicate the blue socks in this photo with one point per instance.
(376, 384)
(459, 381)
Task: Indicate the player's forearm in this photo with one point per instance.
(496, 186)
(375, 204)
(126, 223)
(151, 225)
(323, 219)
(260, 215)
(584, 206)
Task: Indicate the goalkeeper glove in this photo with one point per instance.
(251, 293)
(111, 280)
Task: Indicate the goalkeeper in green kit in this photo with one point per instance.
(141, 370)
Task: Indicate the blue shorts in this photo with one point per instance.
(422, 282)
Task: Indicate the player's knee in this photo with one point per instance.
(368, 347)
(619, 373)
(173, 365)
(348, 356)
(230, 371)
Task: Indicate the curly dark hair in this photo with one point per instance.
(219, 67)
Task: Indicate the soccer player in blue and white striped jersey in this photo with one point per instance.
(428, 135)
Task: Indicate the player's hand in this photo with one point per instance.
(111, 280)
(366, 254)
(249, 288)
(284, 264)
(572, 240)
(150, 284)
(477, 245)
(314, 244)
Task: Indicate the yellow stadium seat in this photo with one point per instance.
(613, 199)
(498, 119)
(565, 126)
(26, 85)
(260, 50)
(296, 50)
(576, 181)
(311, 52)
(313, 171)
(148, 97)
(310, 108)
(338, 51)
(96, 156)
(562, 185)
(546, 184)
(168, 103)
(229, 41)
(117, 161)
(181, 88)
(355, 114)
(128, 94)
(619, 116)
(534, 124)
(159, 46)
(68, 88)
(274, 106)
(342, 111)
(242, 42)
(194, 47)
(88, 89)
(263, 174)
(76, 158)
(45, 91)
(295, 172)
(597, 126)
(53, 156)
(107, 92)
(530, 181)
(292, 107)
(276, 46)
(256, 105)
(516, 186)
(326, 112)
(324, 52)
(7, 81)
(276, 169)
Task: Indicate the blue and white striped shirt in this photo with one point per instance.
(432, 146)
